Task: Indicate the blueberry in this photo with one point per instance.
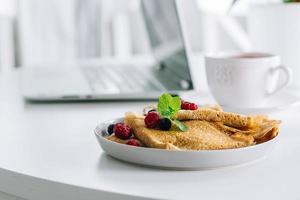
(152, 110)
(110, 129)
(164, 124)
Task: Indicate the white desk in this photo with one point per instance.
(49, 151)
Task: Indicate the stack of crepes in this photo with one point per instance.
(209, 128)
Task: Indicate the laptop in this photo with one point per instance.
(170, 70)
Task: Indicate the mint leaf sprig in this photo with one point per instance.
(168, 107)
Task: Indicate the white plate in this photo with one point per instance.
(279, 102)
(187, 160)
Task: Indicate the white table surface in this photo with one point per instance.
(49, 151)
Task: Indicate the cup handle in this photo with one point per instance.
(288, 78)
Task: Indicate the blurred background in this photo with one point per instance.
(42, 33)
(34, 32)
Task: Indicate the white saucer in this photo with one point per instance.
(279, 102)
(181, 160)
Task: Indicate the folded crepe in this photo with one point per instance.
(199, 136)
(209, 128)
(208, 114)
(215, 113)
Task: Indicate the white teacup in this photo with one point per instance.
(245, 79)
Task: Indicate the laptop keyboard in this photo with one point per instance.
(120, 79)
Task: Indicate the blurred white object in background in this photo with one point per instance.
(215, 6)
(202, 28)
(129, 36)
(235, 32)
(58, 32)
(7, 13)
(139, 36)
(64, 31)
(7, 58)
(122, 40)
(213, 28)
(275, 28)
(47, 31)
(89, 19)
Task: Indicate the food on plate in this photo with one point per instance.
(176, 124)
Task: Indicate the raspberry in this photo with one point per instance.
(165, 124)
(193, 106)
(133, 142)
(185, 105)
(122, 131)
(152, 119)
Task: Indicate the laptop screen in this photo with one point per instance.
(166, 40)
